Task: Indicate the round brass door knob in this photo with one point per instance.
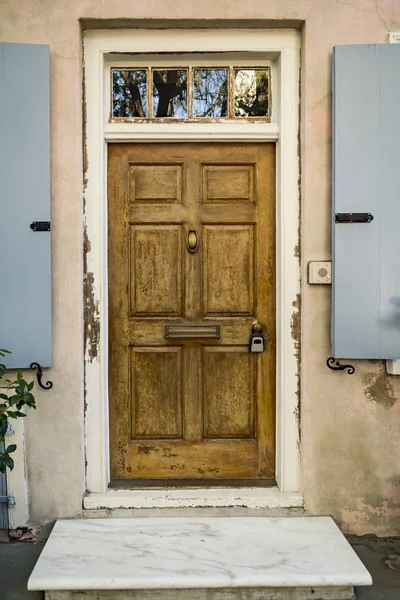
(192, 241)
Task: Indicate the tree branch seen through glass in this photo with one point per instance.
(170, 93)
(251, 93)
(129, 93)
(210, 92)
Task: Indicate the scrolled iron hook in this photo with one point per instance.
(39, 375)
(335, 365)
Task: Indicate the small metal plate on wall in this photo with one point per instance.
(192, 332)
(353, 218)
(320, 272)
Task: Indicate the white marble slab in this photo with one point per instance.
(185, 552)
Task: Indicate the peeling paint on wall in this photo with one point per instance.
(295, 325)
(379, 388)
(382, 518)
(91, 312)
(295, 322)
(91, 303)
(85, 159)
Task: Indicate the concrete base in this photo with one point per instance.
(17, 560)
(4, 537)
(322, 593)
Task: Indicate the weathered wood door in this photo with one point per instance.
(191, 408)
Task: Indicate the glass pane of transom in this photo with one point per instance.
(251, 98)
(170, 93)
(129, 96)
(210, 92)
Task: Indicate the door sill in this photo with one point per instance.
(218, 497)
(133, 484)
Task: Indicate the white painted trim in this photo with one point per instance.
(284, 46)
(109, 41)
(394, 37)
(193, 132)
(288, 475)
(16, 479)
(194, 498)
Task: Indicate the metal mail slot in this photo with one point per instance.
(192, 332)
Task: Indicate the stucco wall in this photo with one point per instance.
(350, 436)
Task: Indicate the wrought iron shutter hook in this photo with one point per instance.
(39, 375)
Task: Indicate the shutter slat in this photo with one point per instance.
(389, 151)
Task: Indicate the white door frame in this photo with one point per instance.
(282, 48)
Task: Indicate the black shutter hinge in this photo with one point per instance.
(353, 218)
(40, 226)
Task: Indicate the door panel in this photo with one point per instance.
(155, 270)
(155, 183)
(228, 183)
(156, 393)
(228, 393)
(228, 272)
(191, 408)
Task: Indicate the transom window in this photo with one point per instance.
(195, 93)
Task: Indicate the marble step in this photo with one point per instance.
(193, 558)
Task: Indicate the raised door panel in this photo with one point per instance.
(228, 183)
(155, 183)
(228, 270)
(156, 393)
(228, 393)
(156, 270)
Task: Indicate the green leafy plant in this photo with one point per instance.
(18, 395)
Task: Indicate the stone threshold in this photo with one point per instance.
(256, 498)
(218, 558)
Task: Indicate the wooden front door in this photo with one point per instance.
(191, 243)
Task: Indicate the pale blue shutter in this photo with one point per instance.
(25, 263)
(366, 179)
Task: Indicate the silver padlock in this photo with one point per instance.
(257, 342)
